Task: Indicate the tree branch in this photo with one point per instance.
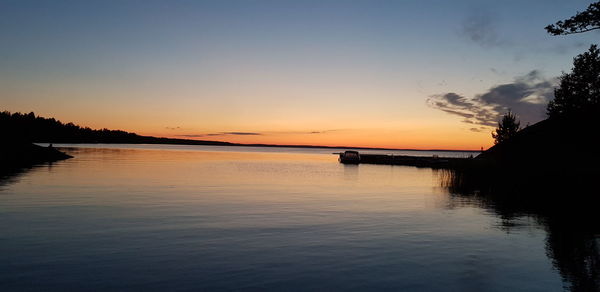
(581, 31)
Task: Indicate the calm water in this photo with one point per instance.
(209, 218)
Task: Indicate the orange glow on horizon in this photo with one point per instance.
(363, 139)
(428, 129)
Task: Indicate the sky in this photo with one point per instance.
(394, 74)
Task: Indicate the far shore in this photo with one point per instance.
(169, 141)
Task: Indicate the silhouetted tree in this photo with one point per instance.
(507, 128)
(579, 90)
(18, 127)
(32, 128)
(581, 22)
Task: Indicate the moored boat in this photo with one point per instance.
(350, 157)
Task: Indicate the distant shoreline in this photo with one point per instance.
(169, 141)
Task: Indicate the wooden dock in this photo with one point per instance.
(417, 161)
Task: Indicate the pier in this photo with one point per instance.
(353, 157)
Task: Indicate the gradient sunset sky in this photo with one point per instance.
(398, 74)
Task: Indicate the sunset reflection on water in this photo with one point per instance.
(202, 219)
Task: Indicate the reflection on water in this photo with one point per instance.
(565, 208)
(13, 175)
(159, 219)
(252, 149)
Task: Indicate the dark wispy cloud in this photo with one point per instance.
(479, 129)
(563, 49)
(241, 133)
(192, 135)
(172, 128)
(221, 134)
(484, 28)
(527, 97)
(480, 27)
(256, 133)
(320, 132)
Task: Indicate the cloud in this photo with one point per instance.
(321, 132)
(241, 133)
(221, 134)
(480, 129)
(481, 28)
(256, 133)
(527, 97)
(473, 111)
(192, 135)
(563, 49)
(172, 128)
(484, 28)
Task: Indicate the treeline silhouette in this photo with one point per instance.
(19, 127)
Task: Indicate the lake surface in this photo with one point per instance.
(189, 218)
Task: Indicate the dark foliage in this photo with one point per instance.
(18, 127)
(559, 144)
(581, 22)
(32, 128)
(579, 90)
(507, 128)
